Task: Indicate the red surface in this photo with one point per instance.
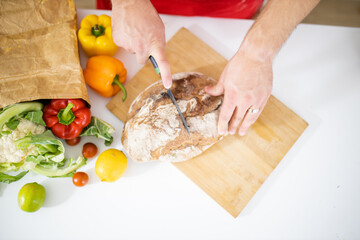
(211, 8)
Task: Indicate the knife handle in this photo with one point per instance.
(154, 63)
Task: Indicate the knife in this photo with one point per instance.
(171, 95)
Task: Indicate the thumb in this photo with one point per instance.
(164, 66)
(215, 90)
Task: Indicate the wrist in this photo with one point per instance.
(258, 46)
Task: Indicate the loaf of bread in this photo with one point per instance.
(154, 130)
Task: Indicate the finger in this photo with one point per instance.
(227, 110)
(116, 36)
(238, 115)
(217, 89)
(159, 54)
(141, 54)
(121, 42)
(141, 57)
(249, 119)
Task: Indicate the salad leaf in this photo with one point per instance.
(65, 168)
(36, 117)
(4, 109)
(9, 166)
(47, 146)
(12, 123)
(11, 111)
(10, 115)
(99, 129)
(5, 178)
(50, 159)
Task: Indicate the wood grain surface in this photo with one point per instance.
(232, 170)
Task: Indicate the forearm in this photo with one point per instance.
(273, 26)
(126, 3)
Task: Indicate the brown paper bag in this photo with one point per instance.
(39, 56)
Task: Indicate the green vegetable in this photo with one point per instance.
(48, 147)
(31, 197)
(48, 157)
(65, 168)
(11, 111)
(36, 117)
(6, 166)
(99, 129)
(5, 178)
(12, 123)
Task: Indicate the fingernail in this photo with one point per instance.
(232, 132)
(221, 131)
(167, 85)
(242, 133)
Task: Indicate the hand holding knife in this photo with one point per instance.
(171, 95)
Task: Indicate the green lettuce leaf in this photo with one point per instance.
(12, 123)
(17, 109)
(47, 146)
(8, 166)
(5, 178)
(36, 117)
(99, 129)
(65, 168)
(4, 109)
(10, 115)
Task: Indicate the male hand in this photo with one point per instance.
(138, 28)
(246, 83)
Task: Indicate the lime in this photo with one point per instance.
(31, 197)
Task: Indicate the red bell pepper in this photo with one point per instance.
(67, 117)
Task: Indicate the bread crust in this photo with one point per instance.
(154, 131)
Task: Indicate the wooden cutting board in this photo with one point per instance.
(232, 170)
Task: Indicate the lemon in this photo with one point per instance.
(110, 165)
(31, 197)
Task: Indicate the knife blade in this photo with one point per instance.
(178, 109)
(171, 95)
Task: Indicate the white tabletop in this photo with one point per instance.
(314, 193)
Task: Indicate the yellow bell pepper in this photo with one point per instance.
(95, 36)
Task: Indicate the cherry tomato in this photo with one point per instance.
(89, 150)
(80, 179)
(73, 142)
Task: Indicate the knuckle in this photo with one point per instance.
(138, 47)
(157, 44)
(231, 94)
(248, 98)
